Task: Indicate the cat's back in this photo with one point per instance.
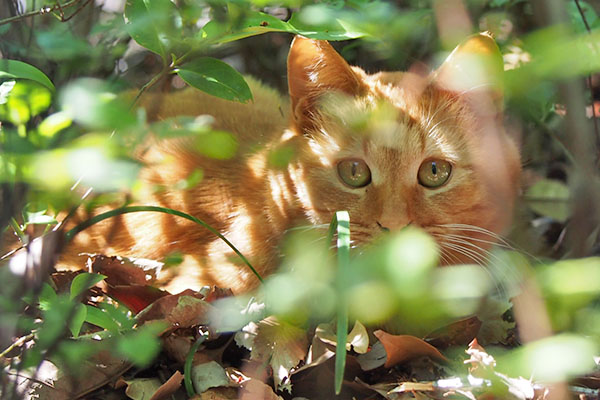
(253, 122)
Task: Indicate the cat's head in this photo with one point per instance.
(396, 149)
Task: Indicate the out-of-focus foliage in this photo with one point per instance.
(66, 127)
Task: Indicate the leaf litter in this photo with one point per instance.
(273, 358)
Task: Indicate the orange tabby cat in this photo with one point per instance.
(391, 148)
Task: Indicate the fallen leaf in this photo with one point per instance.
(169, 387)
(283, 345)
(182, 310)
(414, 387)
(401, 348)
(121, 271)
(208, 375)
(375, 358)
(357, 340)
(135, 297)
(254, 389)
(100, 369)
(459, 333)
(480, 361)
(142, 388)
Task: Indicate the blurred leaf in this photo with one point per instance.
(77, 319)
(142, 345)
(101, 318)
(35, 213)
(26, 100)
(61, 45)
(576, 18)
(553, 359)
(83, 282)
(556, 54)
(549, 198)
(91, 103)
(323, 22)
(149, 22)
(219, 145)
(572, 278)
(5, 89)
(215, 78)
(54, 123)
(47, 296)
(255, 23)
(13, 69)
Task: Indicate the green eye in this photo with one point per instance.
(354, 173)
(434, 173)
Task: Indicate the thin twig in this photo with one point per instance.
(589, 80)
(84, 5)
(41, 11)
(17, 343)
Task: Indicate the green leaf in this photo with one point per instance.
(83, 282)
(256, 23)
(13, 69)
(149, 23)
(101, 318)
(47, 296)
(55, 123)
(215, 78)
(5, 89)
(219, 145)
(142, 388)
(208, 375)
(77, 320)
(142, 345)
(549, 198)
(92, 103)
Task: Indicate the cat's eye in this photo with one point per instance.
(354, 172)
(433, 173)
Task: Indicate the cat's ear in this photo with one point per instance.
(474, 66)
(315, 68)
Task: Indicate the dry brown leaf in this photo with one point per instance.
(459, 333)
(401, 348)
(101, 369)
(169, 387)
(254, 389)
(135, 297)
(120, 271)
(182, 310)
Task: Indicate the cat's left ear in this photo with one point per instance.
(475, 65)
(314, 69)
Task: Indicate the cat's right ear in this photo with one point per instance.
(475, 66)
(315, 68)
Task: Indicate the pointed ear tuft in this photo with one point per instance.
(476, 64)
(315, 68)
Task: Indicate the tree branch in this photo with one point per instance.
(41, 11)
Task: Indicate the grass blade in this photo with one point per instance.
(129, 209)
(341, 224)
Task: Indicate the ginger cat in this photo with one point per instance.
(391, 148)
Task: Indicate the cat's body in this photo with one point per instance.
(391, 148)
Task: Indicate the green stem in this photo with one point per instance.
(129, 209)
(15, 225)
(187, 367)
(44, 10)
